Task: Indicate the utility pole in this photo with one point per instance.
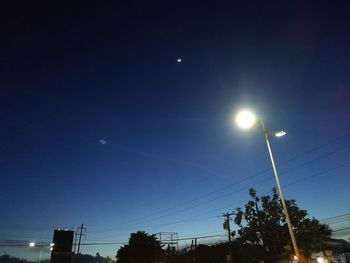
(227, 227)
(81, 228)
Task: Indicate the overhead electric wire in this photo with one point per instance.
(341, 229)
(178, 239)
(284, 186)
(287, 185)
(251, 177)
(335, 217)
(142, 219)
(248, 178)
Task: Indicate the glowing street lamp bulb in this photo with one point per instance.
(32, 244)
(280, 133)
(245, 119)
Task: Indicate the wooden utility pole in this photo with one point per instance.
(228, 228)
(81, 228)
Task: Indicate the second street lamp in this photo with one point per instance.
(246, 120)
(41, 246)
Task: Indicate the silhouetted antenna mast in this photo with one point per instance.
(169, 238)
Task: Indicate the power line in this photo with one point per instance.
(125, 242)
(240, 181)
(287, 185)
(291, 159)
(244, 188)
(342, 229)
(335, 217)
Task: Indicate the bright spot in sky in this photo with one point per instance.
(280, 133)
(179, 60)
(103, 142)
(245, 119)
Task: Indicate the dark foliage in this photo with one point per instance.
(262, 224)
(204, 254)
(142, 248)
(85, 258)
(8, 259)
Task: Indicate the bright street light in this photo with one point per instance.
(246, 119)
(280, 133)
(41, 246)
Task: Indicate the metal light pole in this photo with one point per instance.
(285, 210)
(33, 244)
(41, 246)
(247, 120)
(41, 253)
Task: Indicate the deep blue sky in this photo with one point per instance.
(73, 74)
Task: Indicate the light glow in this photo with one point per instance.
(245, 119)
(32, 244)
(321, 260)
(280, 133)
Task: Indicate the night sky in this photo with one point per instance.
(101, 125)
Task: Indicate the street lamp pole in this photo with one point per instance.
(41, 253)
(246, 119)
(285, 210)
(41, 246)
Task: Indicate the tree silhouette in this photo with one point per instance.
(142, 248)
(262, 223)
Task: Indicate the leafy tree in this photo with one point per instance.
(86, 258)
(8, 259)
(142, 248)
(262, 224)
(204, 254)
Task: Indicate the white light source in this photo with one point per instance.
(52, 244)
(179, 60)
(245, 119)
(32, 244)
(280, 133)
(321, 260)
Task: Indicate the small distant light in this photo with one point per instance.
(179, 60)
(103, 142)
(32, 244)
(280, 133)
(295, 257)
(52, 244)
